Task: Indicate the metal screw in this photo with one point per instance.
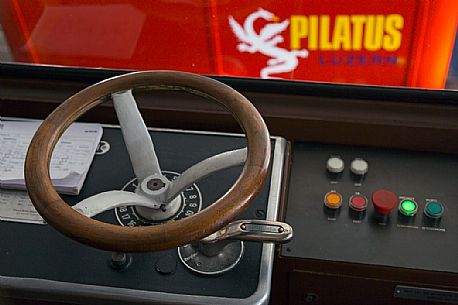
(243, 226)
(155, 184)
(118, 258)
(281, 230)
(260, 214)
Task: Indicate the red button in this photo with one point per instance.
(384, 201)
(358, 203)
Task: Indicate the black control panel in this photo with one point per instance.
(35, 251)
(373, 206)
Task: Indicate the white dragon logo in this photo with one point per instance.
(266, 42)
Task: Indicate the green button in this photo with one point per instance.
(434, 209)
(408, 207)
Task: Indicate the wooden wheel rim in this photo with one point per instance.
(111, 237)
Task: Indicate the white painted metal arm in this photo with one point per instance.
(205, 168)
(109, 200)
(136, 136)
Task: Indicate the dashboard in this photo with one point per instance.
(364, 175)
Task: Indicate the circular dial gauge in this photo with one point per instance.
(191, 203)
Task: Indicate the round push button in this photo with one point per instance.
(359, 167)
(434, 209)
(358, 203)
(384, 201)
(408, 207)
(333, 200)
(166, 264)
(335, 165)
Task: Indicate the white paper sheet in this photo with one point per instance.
(70, 161)
(16, 206)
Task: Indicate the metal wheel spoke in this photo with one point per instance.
(205, 168)
(105, 201)
(136, 136)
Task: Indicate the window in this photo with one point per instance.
(383, 42)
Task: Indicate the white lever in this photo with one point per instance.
(105, 201)
(203, 169)
(109, 200)
(136, 136)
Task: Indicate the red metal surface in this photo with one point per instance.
(112, 34)
(384, 42)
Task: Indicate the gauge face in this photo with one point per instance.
(191, 203)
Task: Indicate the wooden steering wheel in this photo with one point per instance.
(111, 237)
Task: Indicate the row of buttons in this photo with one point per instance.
(335, 165)
(384, 201)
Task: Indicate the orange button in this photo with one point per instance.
(333, 200)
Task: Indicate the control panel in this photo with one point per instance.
(36, 256)
(373, 206)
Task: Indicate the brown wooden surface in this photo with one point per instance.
(426, 126)
(342, 283)
(164, 236)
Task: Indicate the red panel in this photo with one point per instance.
(330, 59)
(434, 47)
(115, 34)
(384, 42)
(17, 26)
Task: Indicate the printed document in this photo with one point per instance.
(70, 161)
